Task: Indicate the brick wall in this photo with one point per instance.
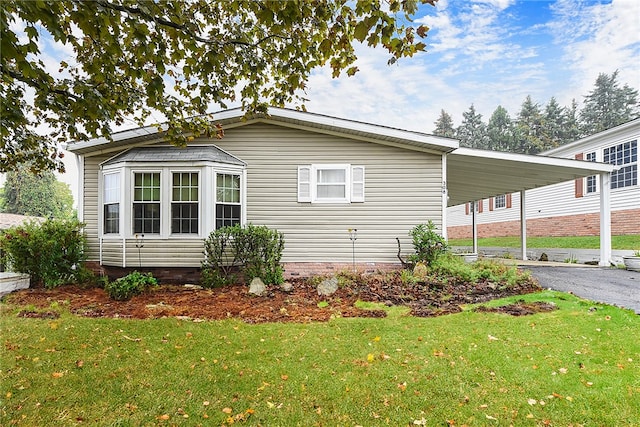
(180, 276)
(622, 222)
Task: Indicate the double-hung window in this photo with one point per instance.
(624, 155)
(146, 203)
(500, 202)
(331, 183)
(111, 203)
(591, 180)
(228, 206)
(184, 203)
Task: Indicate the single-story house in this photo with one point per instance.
(570, 208)
(148, 204)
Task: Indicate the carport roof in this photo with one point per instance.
(480, 174)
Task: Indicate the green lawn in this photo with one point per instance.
(631, 242)
(579, 365)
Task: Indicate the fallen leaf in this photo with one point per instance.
(370, 357)
(563, 370)
(489, 417)
(206, 403)
(492, 338)
(227, 410)
(163, 417)
(376, 339)
(284, 377)
(532, 401)
(57, 374)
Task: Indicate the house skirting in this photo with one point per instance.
(184, 275)
(622, 222)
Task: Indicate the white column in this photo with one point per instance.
(445, 197)
(523, 225)
(474, 227)
(605, 218)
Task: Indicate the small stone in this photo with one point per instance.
(328, 287)
(193, 287)
(420, 271)
(286, 287)
(257, 287)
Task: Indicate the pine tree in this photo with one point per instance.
(553, 125)
(608, 105)
(571, 128)
(472, 132)
(529, 125)
(444, 125)
(500, 130)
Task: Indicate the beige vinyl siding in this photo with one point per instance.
(90, 204)
(402, 189)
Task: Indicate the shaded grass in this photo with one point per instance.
(576, 365)
(624, 242)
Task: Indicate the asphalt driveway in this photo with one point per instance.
(607, 285)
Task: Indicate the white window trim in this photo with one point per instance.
(206, 197)
(308, 184)
(495, 202)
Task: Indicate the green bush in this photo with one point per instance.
(427, 243)
(483, 269)
(254, 251)
(51, 252)
(130, 285)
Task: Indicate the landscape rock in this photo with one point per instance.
(286, 287)
(420, 271)
(328, 287)
(257, 287)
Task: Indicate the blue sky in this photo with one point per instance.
(489, 53)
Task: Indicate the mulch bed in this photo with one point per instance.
(299, 305)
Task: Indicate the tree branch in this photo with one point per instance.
(130, 10)
(37, 84)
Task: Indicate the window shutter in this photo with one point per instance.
(491, 203)
(467, 208)
(508, 201)
(480, 204)
(580, 181)
(357, 184)
(304, 184)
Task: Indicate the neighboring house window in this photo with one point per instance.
(228, 207)
(146, 203)
(591, 180)
(331, 183)
(184, 203)
(500, 202)
(111, 203)
(625, 156)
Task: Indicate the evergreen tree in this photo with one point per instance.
(500, 130)
(444, 125)
(571, 124)
(27, 193)
(472, 132)
(553, 124)
(608, 105)
(529, 126)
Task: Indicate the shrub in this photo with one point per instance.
(130, 285)
(427, 243)
(255, 251)
(51, 252)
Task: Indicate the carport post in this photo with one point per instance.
(523, 226)
(605, 218)
(474, 227)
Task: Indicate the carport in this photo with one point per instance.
(480, 174)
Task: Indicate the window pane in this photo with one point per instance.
(184, 218)
(228, 188)
(146, 187)
(227, 215)
(331, 191)
(331, 175)
(111, 188)
(112, 219)
(146, 218)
